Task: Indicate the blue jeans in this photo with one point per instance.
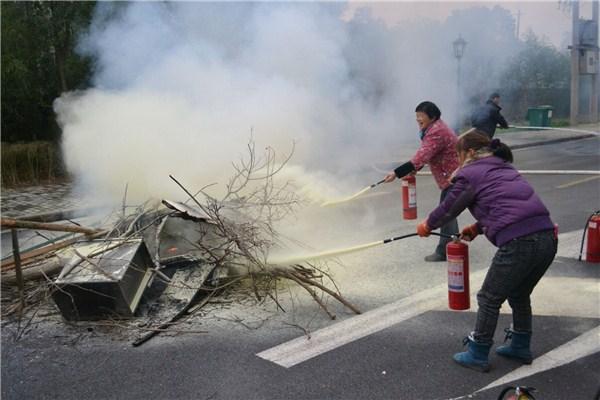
(516, 269)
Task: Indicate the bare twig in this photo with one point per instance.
(312, 293)
(124, 205)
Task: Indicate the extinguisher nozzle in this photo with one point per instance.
(378, 183)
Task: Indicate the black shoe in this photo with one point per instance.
(435, 257)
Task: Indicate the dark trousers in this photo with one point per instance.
(516, 269)
(450, 228)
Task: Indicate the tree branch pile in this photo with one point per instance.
(232, 232)
(243, 220)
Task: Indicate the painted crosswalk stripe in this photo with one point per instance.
(578, 182)
(323, 340)
(329, 338)
(582, 346)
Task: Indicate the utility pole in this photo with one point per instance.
(584, 64)
(459, 50)
(575, 64)
(518, 23)
(595, 79)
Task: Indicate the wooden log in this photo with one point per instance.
(61, 215)
(15, 223)
(49, 267)
(9, 263)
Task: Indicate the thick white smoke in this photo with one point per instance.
(180, 86)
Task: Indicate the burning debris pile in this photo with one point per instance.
(161, 262)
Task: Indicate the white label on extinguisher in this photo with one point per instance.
(456, 274)
(412, 197)
(593, 225)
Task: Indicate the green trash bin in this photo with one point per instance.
(540, 115)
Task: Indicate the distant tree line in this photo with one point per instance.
(538, 75)
(39, 62)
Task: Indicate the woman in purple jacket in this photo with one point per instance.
(515, 220)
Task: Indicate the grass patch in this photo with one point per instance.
(31, 163)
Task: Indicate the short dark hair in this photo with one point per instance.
(430, 109)
(494, 95)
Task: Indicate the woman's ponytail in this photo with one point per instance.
(481, 143)
(501, 150)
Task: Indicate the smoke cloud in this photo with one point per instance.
(180, 87)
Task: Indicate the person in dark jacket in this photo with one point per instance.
(487, 117)
(513, 218)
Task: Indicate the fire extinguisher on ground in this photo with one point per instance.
(592, 227)
(409, 197)
(457, 256)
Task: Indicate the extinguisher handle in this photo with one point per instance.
(453, 236)
(393, 239)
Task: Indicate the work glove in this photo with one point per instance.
(423, 230)
(469, 232)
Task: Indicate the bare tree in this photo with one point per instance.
(243, 234)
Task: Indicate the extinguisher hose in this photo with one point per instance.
(347, 250)
(415, 234)
(585, 230)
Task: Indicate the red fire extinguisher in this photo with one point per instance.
(457, 255)
(592, 253)
(409, 197)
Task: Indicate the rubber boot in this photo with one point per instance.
(476, 356)
(518, 347)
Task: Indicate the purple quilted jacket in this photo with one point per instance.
(503, 203)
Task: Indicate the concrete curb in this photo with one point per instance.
(551, 141)
(391, 165)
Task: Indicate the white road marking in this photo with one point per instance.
(301, 349)
(584, 292)
(545, 172)
(329, 338)
(582, 346)
(569, 244)
(579, 181)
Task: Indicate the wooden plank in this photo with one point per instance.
(9, 263)
(21, 224)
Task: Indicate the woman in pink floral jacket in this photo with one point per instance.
(438, 149)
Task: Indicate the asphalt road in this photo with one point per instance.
(410, 359)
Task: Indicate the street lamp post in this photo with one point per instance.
(459, 50)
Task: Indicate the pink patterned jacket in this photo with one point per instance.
(438, 149)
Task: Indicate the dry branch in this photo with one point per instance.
(245, 239)
(241, 233)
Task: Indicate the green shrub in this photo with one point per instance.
(31, 163)
(560, 122)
